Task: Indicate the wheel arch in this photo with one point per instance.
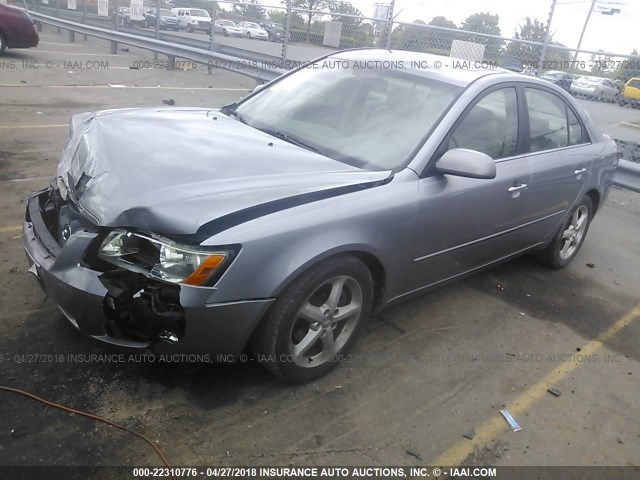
(364, 254)
(594, 195)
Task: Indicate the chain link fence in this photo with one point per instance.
(292, 32)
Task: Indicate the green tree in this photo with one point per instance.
(314, 8)
(279, 16)
(345, 8)
(250, 9)
(487, 24)
(411, 37)
(531, 30)
(440, 39)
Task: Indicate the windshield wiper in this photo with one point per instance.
(289, 138)
(230, 110)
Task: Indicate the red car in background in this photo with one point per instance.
(17, 29)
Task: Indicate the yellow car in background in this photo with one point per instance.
(631, 92)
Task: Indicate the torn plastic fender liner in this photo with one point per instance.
(142, 309)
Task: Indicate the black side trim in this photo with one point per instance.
(39, 227)
(242, 216)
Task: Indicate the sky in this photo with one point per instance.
(613, 33)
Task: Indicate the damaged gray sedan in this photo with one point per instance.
(282, 221)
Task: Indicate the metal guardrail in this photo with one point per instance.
(249, 67)
(628, 175)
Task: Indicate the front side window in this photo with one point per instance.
(491, 126)
(371, 118)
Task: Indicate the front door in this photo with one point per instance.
(465, 223)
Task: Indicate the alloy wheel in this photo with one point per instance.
(325, 322)
(573, 235)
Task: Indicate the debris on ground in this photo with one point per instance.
(554, 391)
(15, 270)
(591, 265)
(134, 67)
(510, 420)
(500, 287)
(124, 49)
(414, 454)
(470, 434)
(578, 349)
(18, 432)
(170, 101)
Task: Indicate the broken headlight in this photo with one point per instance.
(162, 258)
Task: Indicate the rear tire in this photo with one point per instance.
(3, 44)
(315, 321)
(190, 28)
(570, 237)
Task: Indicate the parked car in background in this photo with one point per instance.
(596, 88)
(631, 93)
(227, 28)
(253, 30)
(562, 79)
(123, 16)
(125, 20)
(17, 29)
(168, 21)
(275, 31)
(307, 205)
(192, 19)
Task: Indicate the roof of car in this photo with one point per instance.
(453, 70)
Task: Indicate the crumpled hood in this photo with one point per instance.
(172, 170)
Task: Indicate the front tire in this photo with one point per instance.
(567, 242)
(190, 28)
(3, 44)
(315, 321)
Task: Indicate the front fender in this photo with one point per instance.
(278, 247)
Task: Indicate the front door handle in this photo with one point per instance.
(580, 171)
(517, 188)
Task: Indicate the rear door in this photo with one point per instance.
(466, 223)
(560, 157)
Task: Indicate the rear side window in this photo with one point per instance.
(634, 83)
(491, 126)
(552, 124)
(576, 135)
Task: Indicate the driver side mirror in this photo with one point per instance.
(463, 162)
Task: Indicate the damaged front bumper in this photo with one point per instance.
(124, 308)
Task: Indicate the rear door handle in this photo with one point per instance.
(580, 171)
(517, 188)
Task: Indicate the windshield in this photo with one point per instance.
(251, 25)
(369, 118)
(226, 23)
(553, 74)
(589, 80)
(199, 13)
